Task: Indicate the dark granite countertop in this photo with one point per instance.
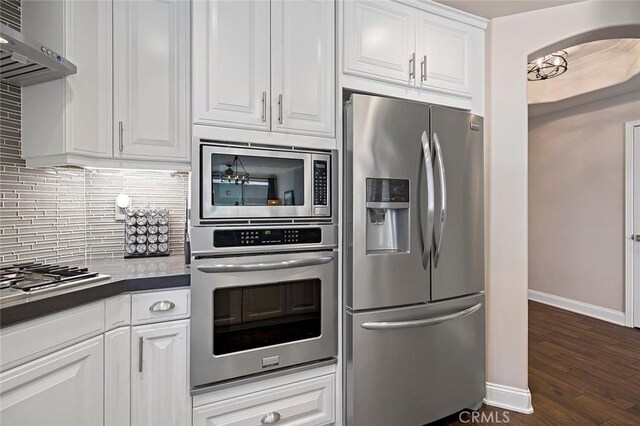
(137, 274)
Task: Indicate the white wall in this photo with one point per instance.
(576, 201)
(511, 40)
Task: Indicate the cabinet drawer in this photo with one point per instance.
(41, 336)
(308, 402)
(159, 306)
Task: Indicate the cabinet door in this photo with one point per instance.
(379, 40)
(231, 63)
(117, 377)
(151, 81)
(63, 388)
(88, 115)
(302, 67)
(159, 374)
(444, 51)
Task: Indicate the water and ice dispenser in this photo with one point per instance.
(387, 216)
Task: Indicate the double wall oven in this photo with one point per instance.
(264, 269)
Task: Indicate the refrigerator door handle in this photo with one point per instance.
(428, 164)
(385, 325)
(443, 197)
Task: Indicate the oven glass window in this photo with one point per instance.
(265, 315)
(242, 180)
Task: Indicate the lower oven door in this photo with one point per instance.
(252, 314)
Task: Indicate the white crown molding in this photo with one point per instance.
(508, 398)
(598, 312)
(620, 48)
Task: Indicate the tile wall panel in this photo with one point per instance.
(59, 214)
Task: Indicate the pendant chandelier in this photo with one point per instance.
(232, 174)
(549, 66)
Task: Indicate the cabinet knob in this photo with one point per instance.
(270, 418)
(161, 306)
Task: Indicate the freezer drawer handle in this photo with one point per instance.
(383, 325)
(265, 266)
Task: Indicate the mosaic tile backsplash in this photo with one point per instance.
(66, 214)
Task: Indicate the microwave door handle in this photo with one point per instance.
(393, 325)
(264, 266)
(443, 198)
(428, 164)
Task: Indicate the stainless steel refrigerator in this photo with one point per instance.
(414, 263)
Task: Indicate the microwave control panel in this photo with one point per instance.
(265, 237)
(320, 183)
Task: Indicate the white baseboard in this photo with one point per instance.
(593, 311)
(509, 398)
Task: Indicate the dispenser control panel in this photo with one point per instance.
(265, 236)
(319, 183)
(387, 190)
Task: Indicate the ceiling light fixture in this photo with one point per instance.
(3, 40)
(231, 174)
(549, 66)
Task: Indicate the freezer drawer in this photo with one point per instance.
(413, 365)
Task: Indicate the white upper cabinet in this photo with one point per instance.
(379, 40)
(302, 67)
(72, 115)
(128, 105)
(159, 374)
(64, 388)
(265, 65)
(429, 52)
(443, 51)
(88, 112)
(151, 79)
(231, 61)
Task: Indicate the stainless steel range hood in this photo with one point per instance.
(24, 61)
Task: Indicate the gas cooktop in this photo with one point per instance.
(33, 277)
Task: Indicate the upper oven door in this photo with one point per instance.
(246, 183)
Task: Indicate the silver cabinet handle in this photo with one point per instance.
(428, 164)
(412, 66)
(443, 198)
(140, 346)
(280, 119)
(264, 107)
(265, 266)
(423, 69)
(384, 325)
(270, 418)
(162, 306)
(120, 142)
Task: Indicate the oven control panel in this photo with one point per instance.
(265, 236)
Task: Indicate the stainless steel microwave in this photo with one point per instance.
(244, 182)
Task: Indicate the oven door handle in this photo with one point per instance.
(264, 266)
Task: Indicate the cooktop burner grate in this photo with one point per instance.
(34, 275)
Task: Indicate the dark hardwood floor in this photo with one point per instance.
(582, 371)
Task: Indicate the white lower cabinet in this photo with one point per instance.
(63, 388)
(307, 402)
(159, 374)
(117, 377)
